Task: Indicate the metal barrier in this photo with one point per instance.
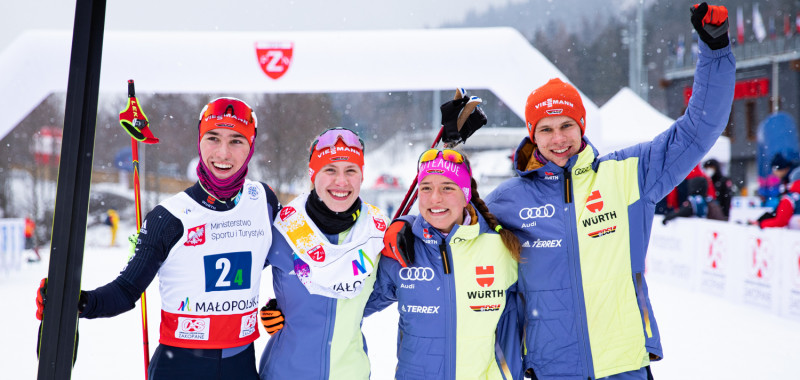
(12, 244)
(741, 263)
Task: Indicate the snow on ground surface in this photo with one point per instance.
(704, 337)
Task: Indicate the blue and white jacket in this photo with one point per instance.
(585, 230)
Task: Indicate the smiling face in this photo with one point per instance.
(338, 185)
(224, 151)
(441, 202)
(558, 138)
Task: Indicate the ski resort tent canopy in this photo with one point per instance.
(498, 59)
(629, 120)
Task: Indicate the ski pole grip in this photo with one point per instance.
(131, 90)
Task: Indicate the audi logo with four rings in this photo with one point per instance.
(416, 274)
(545, 211)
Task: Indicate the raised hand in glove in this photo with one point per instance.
(461, 117)
(271, 317)
(398, 242)
(711, 24)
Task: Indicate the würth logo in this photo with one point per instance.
(484, 276)
(274, 58)
(196, 236)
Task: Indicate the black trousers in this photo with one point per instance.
(176, 363)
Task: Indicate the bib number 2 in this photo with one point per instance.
(227, 271)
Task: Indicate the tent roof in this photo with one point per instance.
(629, 120)
(498, 59)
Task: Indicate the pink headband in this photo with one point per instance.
(458, 173)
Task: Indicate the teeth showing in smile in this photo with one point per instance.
(561, 151)
(339, 194)
(437, 210)
(222, 166)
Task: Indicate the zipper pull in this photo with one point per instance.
(445, 262)
(567, 186)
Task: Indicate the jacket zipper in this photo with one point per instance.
(443, 251)
(450, 312)
(576, 261)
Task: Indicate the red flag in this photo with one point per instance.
(740, 25)
(787, 30)
(797, 23)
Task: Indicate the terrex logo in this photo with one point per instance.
(287, 212)
(274, 58)
(195, 236)
(594, 203)
(484, 276)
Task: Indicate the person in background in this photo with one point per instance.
(208, 245)
(697, 203)
(325, 252)
(112, 220)
(30, 239)
(774, 185)
(585, 220)
(680, 194)
(723, 186)
(457, 261)
(787, 213)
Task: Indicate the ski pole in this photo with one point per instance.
(460, 134)
(405, 205)
(133, 119)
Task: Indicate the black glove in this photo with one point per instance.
(41, 300)
(272, 317)
(398, 242)
(461, 117)
(711, 24)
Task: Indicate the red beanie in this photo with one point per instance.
(555, 98)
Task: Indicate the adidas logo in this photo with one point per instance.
(527, 244)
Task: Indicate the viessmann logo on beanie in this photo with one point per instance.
(229, 113)
(555, 98)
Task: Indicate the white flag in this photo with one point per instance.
(758, 24)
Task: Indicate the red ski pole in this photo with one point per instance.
(460, 122)
(133, 119)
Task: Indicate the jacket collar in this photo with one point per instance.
(524, 154)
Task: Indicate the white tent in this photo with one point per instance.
(498, 59)
(629, 120)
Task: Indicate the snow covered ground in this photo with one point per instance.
(703, 337)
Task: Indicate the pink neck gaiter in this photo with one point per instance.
(222, 189)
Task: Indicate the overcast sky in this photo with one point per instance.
(233, 15)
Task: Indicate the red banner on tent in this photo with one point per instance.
(745, 89)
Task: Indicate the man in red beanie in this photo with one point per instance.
(584, 220)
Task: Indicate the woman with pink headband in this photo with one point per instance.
(453, 274)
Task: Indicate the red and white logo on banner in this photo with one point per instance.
(484, 276)
(714, 259)
(760, 260)
(195, 236)
(274, 58)
(796, 265)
